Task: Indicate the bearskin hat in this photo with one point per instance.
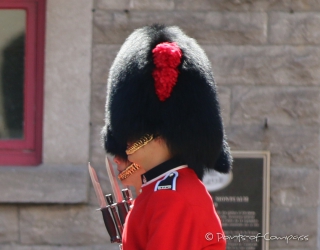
(161, 83)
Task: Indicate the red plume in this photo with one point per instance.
(166, 57)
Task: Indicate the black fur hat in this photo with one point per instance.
(188, 118)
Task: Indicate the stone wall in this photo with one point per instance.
(47, 207)
(265, 57)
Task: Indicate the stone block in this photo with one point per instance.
(9, 229)
(290, 146)
(106, 247)
(44, 184)
(97, 150)
(67, 81)
(294, 5)
(112, 27)
(270, 65)
(225, 5)
(294, 221)
(294, 187)
(102, 59)
(224, 95)
(297, 28)
(98, 102)
(103, 56)
(280, 105)
(135, 5)
(227, 28)
(153, 5)
(248, 5)
(62, 225)
(112, 5)
(205, 27)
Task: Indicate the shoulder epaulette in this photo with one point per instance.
(168, 182)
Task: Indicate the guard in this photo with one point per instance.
(163, 114)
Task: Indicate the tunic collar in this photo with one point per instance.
(161, 169)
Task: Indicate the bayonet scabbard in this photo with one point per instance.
(107, 218)
(114, 212)
(122, 209)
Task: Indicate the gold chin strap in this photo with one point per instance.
(128, 171)
(139, 144)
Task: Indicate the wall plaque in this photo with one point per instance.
(242, 199)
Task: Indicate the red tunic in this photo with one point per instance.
(180, 219)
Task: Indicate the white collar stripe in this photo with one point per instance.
(164, 174)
